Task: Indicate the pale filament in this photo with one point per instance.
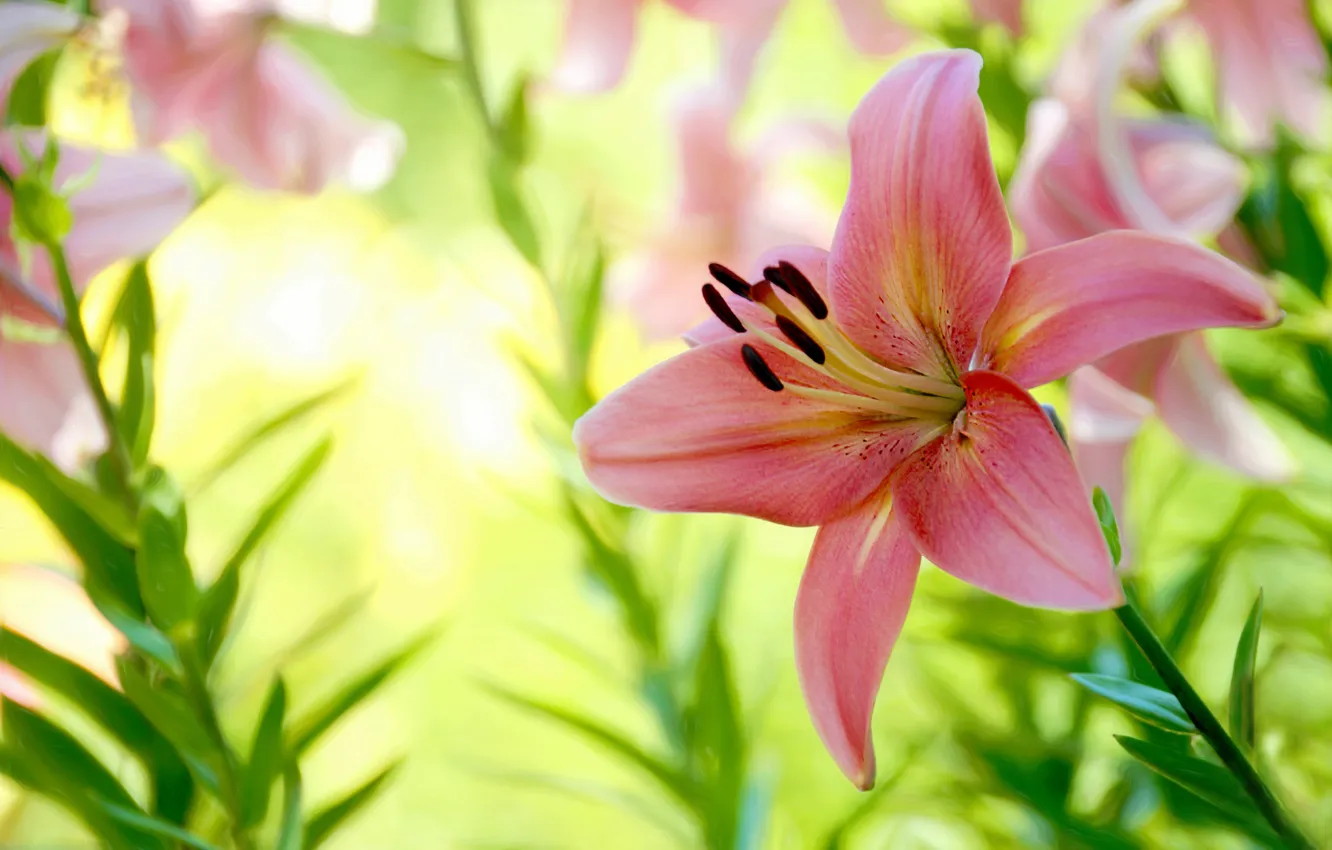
(856, 361)
(877, 398)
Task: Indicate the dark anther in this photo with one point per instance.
(721, 309)
(774, 275)
(729, 279)
(802, 340)
(1053, 416)
(758, 367)
(801, 288)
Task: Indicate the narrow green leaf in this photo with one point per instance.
(170, 712)
(510, 210)
(265, 761)
(1105, 515)
(219, 601)
(109, 571)
(291, 835)
(269, 428)
(31, 90)
(99, 700)
(514, 126)
(322, 824)
(56, 764)
(111, 514)
(671, 778)
(157, 827)
(165, 578)
(138, 407)
(315, 723)
(1241, 680)
(1205, 780)
(142, 636)
(1150, 705)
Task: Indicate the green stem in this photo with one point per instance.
(121, 465)
(1207, 724)
(462, 12)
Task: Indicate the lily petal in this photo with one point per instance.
(998, 504)
(924, 244)
(1104, 418)
(699, 433)
(1006, 12)
(27, 30)
(1209, 415)
(45, 404)
(1270, 64)
(871, 29)
(1197, 184)
(1068, 306)
(852, 603)
(598, 40)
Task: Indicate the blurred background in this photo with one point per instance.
(578, 645)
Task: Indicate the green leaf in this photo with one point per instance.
(510, 210)
(1150, 705)
(109, 571)
(514, 125)
(266, 430)
(219, 601)
(1105, 515)
(291, 835)
(1205, 780)
(138, 406)
(100, 701)
(265, 761)
(109, 513)
(1278, 220)
(1241, 680)
(56, 764)
(157, 827)
(165, 578)
(321, 826)
(671, 778)
(31, 90)
(172, 715)
(142, 636)
(315, 723)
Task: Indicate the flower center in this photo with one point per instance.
(809, 337)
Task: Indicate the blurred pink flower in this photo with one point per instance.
(600, 34)
(729, 210)
(1271, 65)
(1086, 170)
(52, 610)
(899, 421)
(213, 66)
(1006, 12)
(27, 30)
(128, 205)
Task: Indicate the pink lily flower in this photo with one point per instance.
(600, 34)
(211, 65)
(880, 391)
(729, 209)
(27, 30)
(1086, 170)
(1271, 65)
(130, 203)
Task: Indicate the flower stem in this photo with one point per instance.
(462, 12)
(1210, 728)
(119, 455)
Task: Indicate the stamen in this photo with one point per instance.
(758, 367)
(729, 279)
(773, 275)
(802, 340)
(801, 288)
(717, 304)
